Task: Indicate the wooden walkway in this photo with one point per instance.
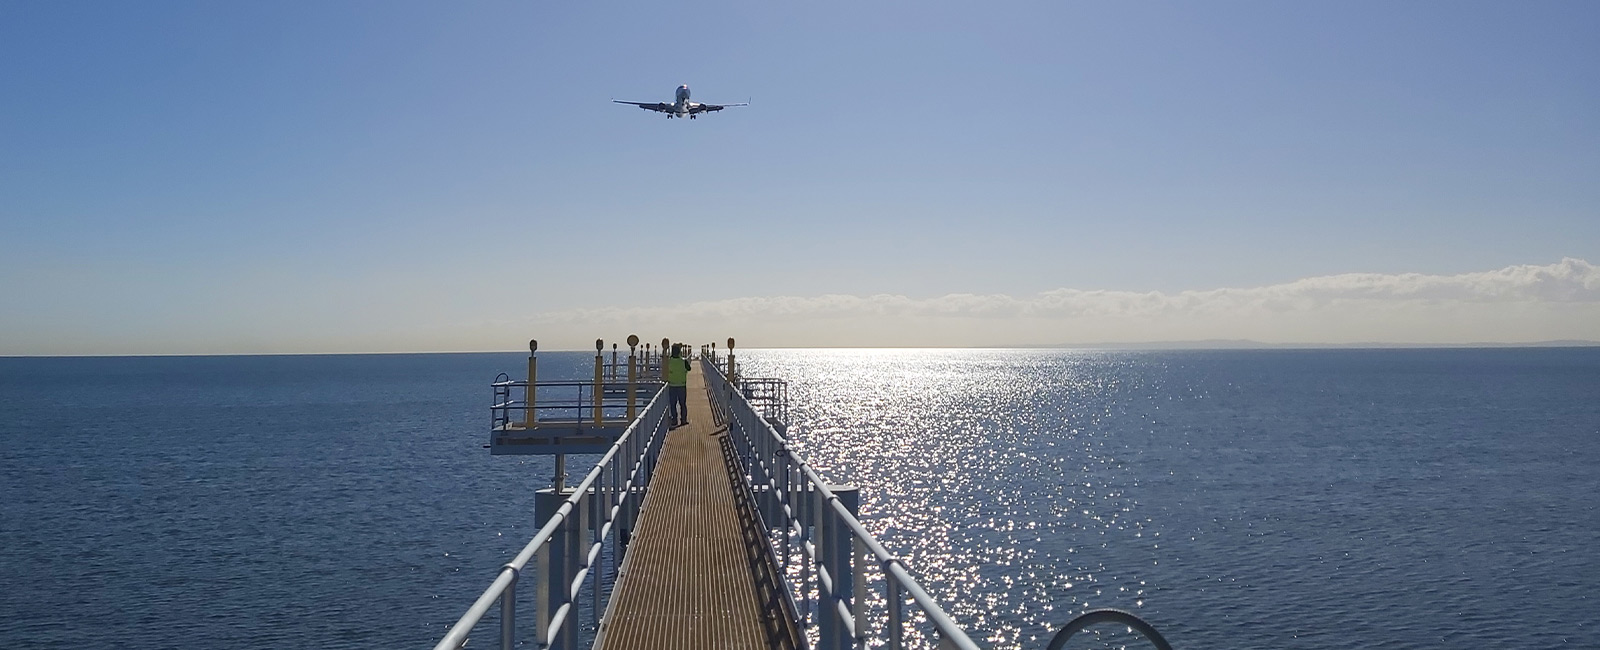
(698, 573)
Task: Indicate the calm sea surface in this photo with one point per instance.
(1236, 499)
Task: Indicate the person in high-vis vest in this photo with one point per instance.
(677, 387)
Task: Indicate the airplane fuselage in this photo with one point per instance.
(681, 103)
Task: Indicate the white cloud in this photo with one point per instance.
(1513, 304)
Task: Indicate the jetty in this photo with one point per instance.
(711, 535)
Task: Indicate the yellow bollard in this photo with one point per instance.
(633, 379)
(533, 377)
(664, 357)
(599, 383)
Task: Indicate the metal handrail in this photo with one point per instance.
(502, 395)
(639, 446)
(775, 467)
(769, 396)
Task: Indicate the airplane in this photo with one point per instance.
(681, 107)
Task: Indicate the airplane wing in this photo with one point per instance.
(708, 108)
(649, 106)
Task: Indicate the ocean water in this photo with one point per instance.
(1236, 499)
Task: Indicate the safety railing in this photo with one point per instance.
(570, 546)
(616, 368)
(612, 398)
(564, 401)
(769, 396)
(832, 544)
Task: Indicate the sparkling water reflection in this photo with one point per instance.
(1304, 499)
(1333, 499)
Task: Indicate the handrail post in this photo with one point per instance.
(781, 467)
(615, 499)
(733, 374)
(858, 592)
(508, 611)
(822, 543)
(549, 562)
(576, 554)
(528, 418)
(892, 593)
(847, 579)
(839, 552)
(597, 522)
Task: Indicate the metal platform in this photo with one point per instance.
(567, 417)
(514, 439)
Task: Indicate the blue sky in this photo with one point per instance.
(387, 176)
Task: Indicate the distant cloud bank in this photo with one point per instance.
(1522, 303)
(1512, 305)
(1570, 280)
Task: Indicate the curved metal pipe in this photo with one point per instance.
(1095, 617)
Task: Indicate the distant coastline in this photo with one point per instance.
(1246, 344)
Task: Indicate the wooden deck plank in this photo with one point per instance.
(687, 580)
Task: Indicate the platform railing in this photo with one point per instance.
(559, 401)
(609, 496)
(832, 543)
(769, 396)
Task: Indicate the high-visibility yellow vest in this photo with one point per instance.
(677, 371)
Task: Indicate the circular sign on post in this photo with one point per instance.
(633, 340)
(730, 343)
(599, 344)
(533, 345)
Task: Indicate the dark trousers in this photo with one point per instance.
(678, 404)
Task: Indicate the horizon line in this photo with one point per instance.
(1150, 346)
